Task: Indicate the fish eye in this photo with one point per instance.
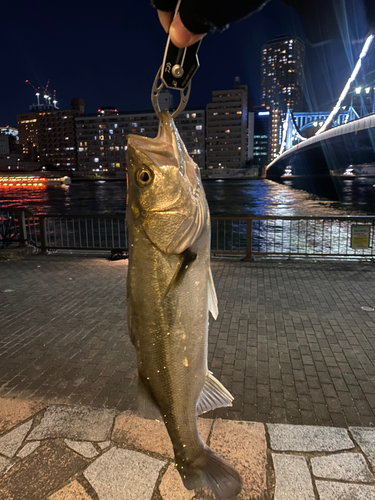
(144, 177)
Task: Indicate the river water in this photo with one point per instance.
(225, 198)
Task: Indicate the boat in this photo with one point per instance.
(32, 180)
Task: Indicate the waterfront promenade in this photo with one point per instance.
(294, 343)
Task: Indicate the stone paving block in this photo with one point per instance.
(244, 445)
(344, 491)
(10, 442)
(72, 491)
(28, 448)
(293, 480)
(150, 435)
(49, 467)
(171, 486)
(365, 437)
(84, 448)
(4, 462)
(308, 438)
(74, 422)
(14, 411)
(104, 444)
(120, 474)
(343, 466)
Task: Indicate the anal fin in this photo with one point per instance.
(213, 395)
(147, 407)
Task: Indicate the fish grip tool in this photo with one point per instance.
(176, 72)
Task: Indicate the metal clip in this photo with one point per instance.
(157, 87)
(176, 72)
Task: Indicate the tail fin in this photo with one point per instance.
(213, 472)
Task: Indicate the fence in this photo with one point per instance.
(252, 237)
(290, 237)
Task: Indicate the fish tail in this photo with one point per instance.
(211, 471)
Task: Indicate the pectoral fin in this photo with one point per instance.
(187, 258)
(147, 407)
(212, 298)
(213, 395)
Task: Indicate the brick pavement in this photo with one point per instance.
(292, 342)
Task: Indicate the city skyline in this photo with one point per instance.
(110, 58)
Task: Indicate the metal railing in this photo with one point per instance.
(84, 233)
(290, 237)
(251, 237)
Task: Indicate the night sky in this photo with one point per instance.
(108, 52)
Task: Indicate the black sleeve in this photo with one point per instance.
(318, 17)
(165, 5)
(201, 16)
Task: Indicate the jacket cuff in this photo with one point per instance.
(164, 5)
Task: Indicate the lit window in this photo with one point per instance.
(198, 127)
(96, 160)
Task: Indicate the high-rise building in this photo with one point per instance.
(282, 73)
(276, 132)
(51, 134)
(227, 128)
(101, 137)
(262, 130)
(7, 143)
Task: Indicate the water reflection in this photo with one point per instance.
(226, 198)
(356, 196)
(264, 197)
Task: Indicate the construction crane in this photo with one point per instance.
(46, 95)
(37, 91)
(54, 101)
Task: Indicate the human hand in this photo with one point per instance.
(181, 37)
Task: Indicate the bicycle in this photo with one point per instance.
(8, 231)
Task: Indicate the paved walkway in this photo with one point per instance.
(294, 341)
(62, 452)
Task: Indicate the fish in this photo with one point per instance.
(170, 292)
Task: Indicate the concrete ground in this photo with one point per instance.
(294, 343)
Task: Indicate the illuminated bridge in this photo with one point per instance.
(340, 140)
